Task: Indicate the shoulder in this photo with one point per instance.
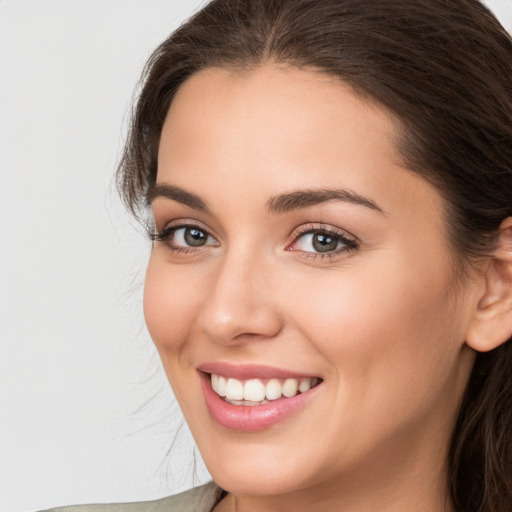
(198, 499)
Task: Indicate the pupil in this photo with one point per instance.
(324, 243)
(194, 237)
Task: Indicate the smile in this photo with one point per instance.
(255, 392)
(254, 398)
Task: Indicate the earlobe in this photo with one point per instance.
(491, 324)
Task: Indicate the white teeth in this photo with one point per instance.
(247, 403)
(254, 390)
(304, 385)
(219, 384)
(273, 389)
(222, 385)
(234, 390)
(290, 387)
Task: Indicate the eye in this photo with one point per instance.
(318, 242)
(185, 237)
(322, 241)
(190, 237)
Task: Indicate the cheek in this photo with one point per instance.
(171, 302)
(357, 305)
(385, 334)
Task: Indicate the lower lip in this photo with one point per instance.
(252, 418)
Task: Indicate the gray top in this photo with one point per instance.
(198, 499)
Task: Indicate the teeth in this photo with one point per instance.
(290, 387)
(247, 403)
(219, 384)
(304, 385)
(273, 389)
(255, 392)
(234, 390)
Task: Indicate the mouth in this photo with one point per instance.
(254, 398)
(255, 392)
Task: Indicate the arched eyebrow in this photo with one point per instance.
(176, 194)
(282, 203)
(299, 199)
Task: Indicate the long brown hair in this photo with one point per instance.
(444, 68)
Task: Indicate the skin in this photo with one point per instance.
(384, 325)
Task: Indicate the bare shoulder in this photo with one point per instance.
(198, 499)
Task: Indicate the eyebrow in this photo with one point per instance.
(300, 199)
(176, 194)
(282, 203)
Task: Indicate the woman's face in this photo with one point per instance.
(293, 250)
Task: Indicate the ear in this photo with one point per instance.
(491, 324)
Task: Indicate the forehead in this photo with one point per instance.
(274, 116)
(282, 127)
(285, 98)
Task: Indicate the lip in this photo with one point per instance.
(246, 372)
(255, 418)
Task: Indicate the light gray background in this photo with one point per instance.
(86, 414)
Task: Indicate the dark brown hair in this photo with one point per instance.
(444, 69)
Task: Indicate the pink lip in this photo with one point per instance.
(245, 372)
(255, 418)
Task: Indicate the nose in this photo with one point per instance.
(240, 305)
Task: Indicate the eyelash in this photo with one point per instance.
(349, 243)
(167, 232)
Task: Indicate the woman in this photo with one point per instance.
(330, 286)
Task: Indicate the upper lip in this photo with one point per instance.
(250, 371)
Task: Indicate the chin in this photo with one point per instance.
(257, 467)
(258, 480)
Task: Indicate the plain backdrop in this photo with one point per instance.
(86, 414)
